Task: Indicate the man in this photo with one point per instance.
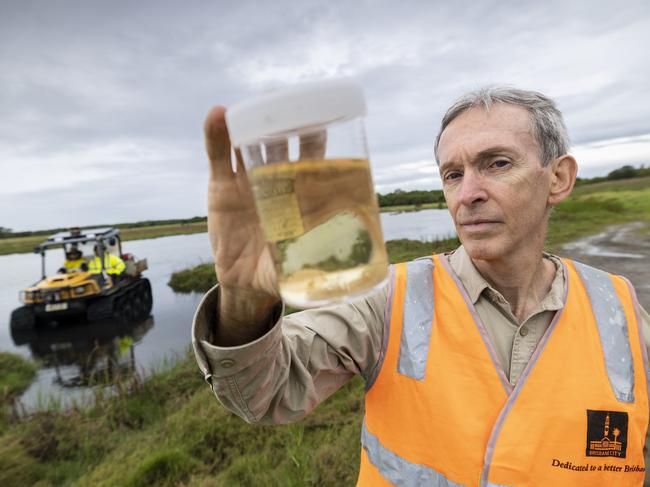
(496, 364)
(74, 261)
(113, 265)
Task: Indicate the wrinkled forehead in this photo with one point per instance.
(478, 130)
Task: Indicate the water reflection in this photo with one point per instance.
(86, 354)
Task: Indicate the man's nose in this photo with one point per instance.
(472, 189)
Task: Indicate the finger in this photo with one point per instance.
(312, 145)
(217, 144)
(277, 151)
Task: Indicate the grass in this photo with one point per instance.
(592, 208)
(196, 279)
(163, 231)
(405, 250)
(17, 375)
(17, 245)
(171, 431)
(403, 208)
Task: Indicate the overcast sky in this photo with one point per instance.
(102, 103)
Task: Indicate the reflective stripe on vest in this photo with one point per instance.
(612, 327)
(397, 470)
(418, 318)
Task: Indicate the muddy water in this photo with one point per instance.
(76, 359)
(620, 249)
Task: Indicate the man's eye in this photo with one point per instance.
(452, 175)
(500, 163)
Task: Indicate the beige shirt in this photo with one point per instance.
(307, 356)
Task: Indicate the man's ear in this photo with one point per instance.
(564, 170)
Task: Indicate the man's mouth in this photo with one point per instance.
(477, 221)
(479, 224)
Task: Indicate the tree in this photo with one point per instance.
(623, 173)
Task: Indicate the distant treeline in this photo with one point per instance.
(155, 223)
(396, 198)
(625, 172)
(417, 197)
(7, 233)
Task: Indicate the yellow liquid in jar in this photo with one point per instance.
(322, 219)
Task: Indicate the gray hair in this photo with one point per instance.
(546, 120)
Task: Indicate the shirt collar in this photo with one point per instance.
(475, 284)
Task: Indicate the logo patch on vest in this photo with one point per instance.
(606, 434)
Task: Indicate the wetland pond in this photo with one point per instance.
(73, 359)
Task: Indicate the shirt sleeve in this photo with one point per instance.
(303, 358)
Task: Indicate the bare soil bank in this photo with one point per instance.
(620, 249)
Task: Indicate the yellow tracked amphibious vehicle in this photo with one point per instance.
(105, 283)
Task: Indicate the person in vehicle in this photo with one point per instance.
(74, 261)
(113, 265)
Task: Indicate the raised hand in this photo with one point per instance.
(243, 263)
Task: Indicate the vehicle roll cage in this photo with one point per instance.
(75, 236)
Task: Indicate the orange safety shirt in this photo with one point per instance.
(441, 411)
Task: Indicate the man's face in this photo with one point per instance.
(495, 187)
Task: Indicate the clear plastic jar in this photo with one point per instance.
(306, 158)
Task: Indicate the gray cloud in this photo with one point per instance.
(102, 103)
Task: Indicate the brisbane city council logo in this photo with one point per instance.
(606, 434)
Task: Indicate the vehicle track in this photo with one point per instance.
(620, 249)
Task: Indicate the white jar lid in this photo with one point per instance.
(295, 107)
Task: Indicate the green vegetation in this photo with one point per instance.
(22, 244)
(19, 245)
(170, 430)
(408, 198)
(17, 374)
(400, 200)
(402, 208)
(593, 207)
(8, 233)
(196, 279)
(404, 250)
(625, 172)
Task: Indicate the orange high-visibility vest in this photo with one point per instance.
(440, 410)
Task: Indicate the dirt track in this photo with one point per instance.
(621, 249)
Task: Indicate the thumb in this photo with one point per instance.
(217, 143)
